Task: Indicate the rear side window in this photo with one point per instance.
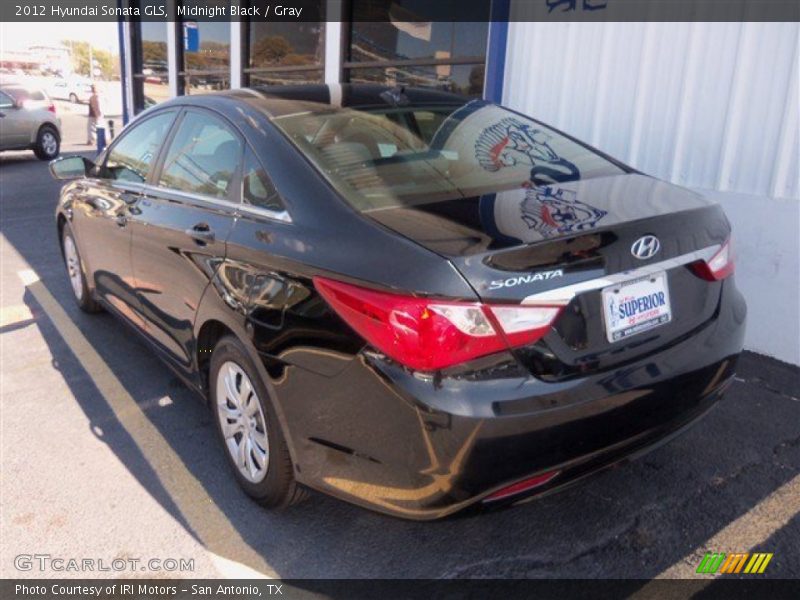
(132, 156)
(22, 94)
(203, 157)
(257, 188)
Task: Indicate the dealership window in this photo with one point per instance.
(205, 52)
(390, 42)
(286, 53)
(150, 71)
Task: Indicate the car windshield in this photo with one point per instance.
(401, 156)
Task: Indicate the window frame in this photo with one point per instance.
(153, 181)
(101, 166)
(235, 196)
(280, 215)
(349, 66)
(248, 71)
(137, 58)
(184, 73)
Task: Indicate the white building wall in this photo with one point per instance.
(707, 105)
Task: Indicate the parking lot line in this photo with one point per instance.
(204, 517)
(750, 530)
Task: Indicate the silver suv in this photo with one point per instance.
(28, 121)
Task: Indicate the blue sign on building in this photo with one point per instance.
(191, 37)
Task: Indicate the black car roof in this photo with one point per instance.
(275, 101)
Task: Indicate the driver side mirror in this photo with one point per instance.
(71, 168)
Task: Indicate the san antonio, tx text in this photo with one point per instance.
(141, 589)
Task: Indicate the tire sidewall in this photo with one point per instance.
(274, 488)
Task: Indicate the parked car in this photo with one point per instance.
(75, 89)
(404, 298)
(28, 120)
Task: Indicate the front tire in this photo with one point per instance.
(248, 427)
(48, 144)
(76, 272)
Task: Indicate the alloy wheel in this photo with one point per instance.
(242, 421)
(49, 143)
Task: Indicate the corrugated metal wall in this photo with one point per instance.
(709, 105)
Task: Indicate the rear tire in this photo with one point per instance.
(77, 272)
(48, 143)
(248, 428)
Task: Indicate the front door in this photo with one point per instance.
(180, 226)
(103, 207)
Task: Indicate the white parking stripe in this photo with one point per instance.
(205, 518)
(752, 529)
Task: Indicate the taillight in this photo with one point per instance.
(52, 108)
(427, 334)
(718, 267)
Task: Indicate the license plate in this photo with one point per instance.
(636, 306)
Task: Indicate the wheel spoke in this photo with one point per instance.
(241, 452)
(259, 452)
(252, 467)
(231, 429)
(245, 395)
(251, 406)
(260, 439)
(230, 388)
(228, 413)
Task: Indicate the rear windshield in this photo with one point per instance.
(402, 156)
(22, 94)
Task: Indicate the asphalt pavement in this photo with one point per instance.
(105, 454)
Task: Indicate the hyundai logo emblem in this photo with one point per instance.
(645, 247)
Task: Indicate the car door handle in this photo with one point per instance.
(201, 233)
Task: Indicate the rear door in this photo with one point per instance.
(180, 225)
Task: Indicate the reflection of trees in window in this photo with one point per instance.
(277, 49)
(270, 50)
(154, 51)
(212, 55)
(281, 53)
(476, 77)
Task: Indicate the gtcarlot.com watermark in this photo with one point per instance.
(48, 562)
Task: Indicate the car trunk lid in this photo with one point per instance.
(563, 244)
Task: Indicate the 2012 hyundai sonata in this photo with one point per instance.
(407, 299)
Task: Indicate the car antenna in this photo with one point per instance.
(396, 96)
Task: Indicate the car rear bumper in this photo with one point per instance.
(423, 447)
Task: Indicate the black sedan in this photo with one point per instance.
(407, 299)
